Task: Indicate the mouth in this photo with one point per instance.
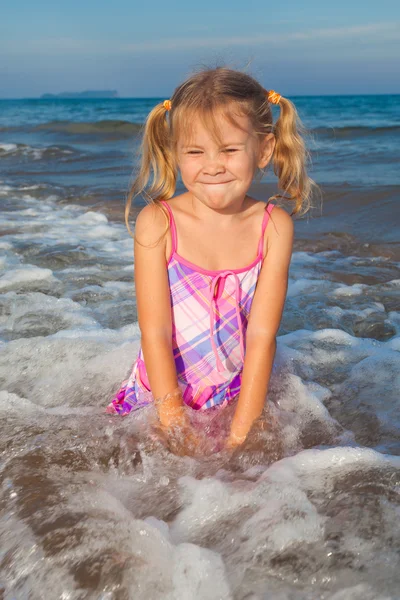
(217, 182)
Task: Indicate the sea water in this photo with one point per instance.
(97, 507)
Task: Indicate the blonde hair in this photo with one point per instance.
(202, 95)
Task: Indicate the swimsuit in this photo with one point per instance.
(210, 311)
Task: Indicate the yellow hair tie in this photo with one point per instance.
(167, 104)
(274, 97)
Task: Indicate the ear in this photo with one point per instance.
(267, 147)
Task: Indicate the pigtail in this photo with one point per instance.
(156, 163)
(290, 158)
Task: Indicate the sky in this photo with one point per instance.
(146, 48)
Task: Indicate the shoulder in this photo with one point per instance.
(151, 224)
(179, 204)
(279, 236)
(279, 218)
(280, 227)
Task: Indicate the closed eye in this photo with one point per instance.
(227, 150)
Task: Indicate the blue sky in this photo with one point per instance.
(146, 48)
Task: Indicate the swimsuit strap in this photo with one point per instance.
(267, 212)
(172, 226)
(174, 236)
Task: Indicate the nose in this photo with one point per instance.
(214, 165)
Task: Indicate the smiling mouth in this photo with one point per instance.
(217, 182)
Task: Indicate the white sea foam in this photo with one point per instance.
(27, 277)
(115, 505)
(11, 150)
(350, 290)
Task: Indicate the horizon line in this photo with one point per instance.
(163, 97)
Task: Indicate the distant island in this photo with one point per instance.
(80, 95)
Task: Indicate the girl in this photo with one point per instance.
(211, 264)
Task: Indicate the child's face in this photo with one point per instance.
(220, 175)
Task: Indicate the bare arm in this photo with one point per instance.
(154, 309)
(265, 317)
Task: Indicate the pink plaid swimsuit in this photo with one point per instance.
(210, 311)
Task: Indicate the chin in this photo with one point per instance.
(217, 201)
(214, 198)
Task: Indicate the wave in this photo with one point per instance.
(115, 128)
(121, 129)
(24, 150)
(356, 131)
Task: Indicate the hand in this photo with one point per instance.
(234, 441)
(182, 441)
(174, 429)
(178, 437)
(174, 417)
(240, 429)
(264, 436)
(171, 410)
(174, 424)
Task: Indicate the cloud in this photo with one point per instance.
(390, 30)
(70, 46)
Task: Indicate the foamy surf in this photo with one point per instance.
(94, 506)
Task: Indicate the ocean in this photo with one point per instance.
(96, 507)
